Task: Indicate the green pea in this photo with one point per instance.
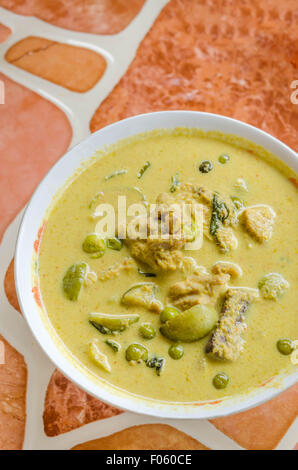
(136, 352)
(285, 346)
(147, 331)
(205, 166)
(237, 202)
(176, 351)
(74, 279)
(114, 244)
(220, 380)
(223, 158)
(168, 313)
(94, 245)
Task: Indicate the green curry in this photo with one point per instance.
(153, 318)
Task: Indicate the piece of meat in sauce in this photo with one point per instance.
(157, 251)
(200, 288)
(258, 221)
(226, 342)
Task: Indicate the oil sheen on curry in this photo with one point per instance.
(148, 314)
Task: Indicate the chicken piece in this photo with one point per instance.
(161, 250)
(189, 266)
(165, 198)
(200, 288)
(258, 221)
(226, 342)
(189, 194)
(115, 269)
(158, 254)
(227, 267)
(226, 239)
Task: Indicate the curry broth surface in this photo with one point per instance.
(186, 379)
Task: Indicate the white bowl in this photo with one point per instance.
(32, 222)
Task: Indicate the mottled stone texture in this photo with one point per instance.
(75, 68)
(225, 57)
(10, 288)
(90, 16)
(13, 381)
(263, 427)
(145, 437)
(4, 33)
(222, 56)
(67, 407)
(34, 134)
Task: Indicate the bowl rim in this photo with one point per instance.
(123, 399)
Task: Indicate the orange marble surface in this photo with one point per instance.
(90, 16)
(75, 68)
(13, 381)
(263, 427)
(4, 32)
(145, 437)
(191, 59)
(34, 134)
(9, 287)
(241, 66)
(67, 407)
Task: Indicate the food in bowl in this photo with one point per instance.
(201, 311)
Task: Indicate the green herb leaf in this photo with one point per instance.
(113, 344)
(115, 173)
(220, 213)
(175, 182)
(143, 169)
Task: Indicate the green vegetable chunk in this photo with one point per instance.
(102, 329)
(223, 158)
(136, 352)
(147, 331)
(220, 380)
(142, 295)
(285, 346)
(168, 313)
(190, 325)
(176, 351)
(113, 345)
(98, 357)
(94, 244)
(74, 280)
(114, 243)
(272, 286)
(205, 166)
(107, 323)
